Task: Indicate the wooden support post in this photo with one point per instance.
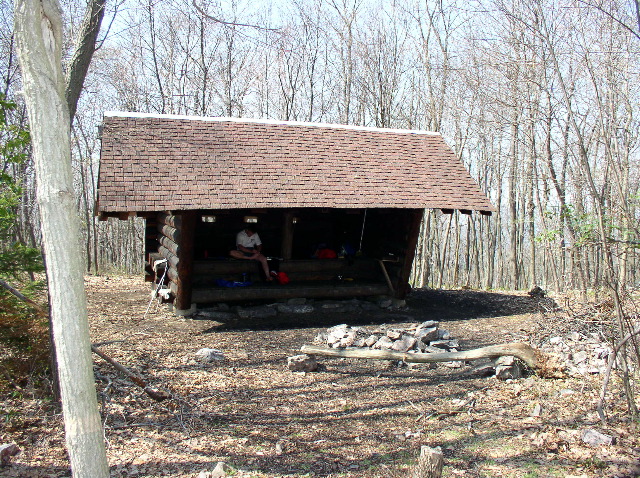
(185, 262)
(412, 241)
(429, 464)
(287, 235)
(386, 277)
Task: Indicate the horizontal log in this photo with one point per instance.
(170, 220)
(172, 274)
(524, 352)
(319, 267)
(174, 288)
(169, 256)
(203, 295)
(170, 232)
(170, 245)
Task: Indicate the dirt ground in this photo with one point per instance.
(355, 418)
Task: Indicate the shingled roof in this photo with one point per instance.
(164, 162)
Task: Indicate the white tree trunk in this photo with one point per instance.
(38, 27)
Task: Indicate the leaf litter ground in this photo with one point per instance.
(355, 418)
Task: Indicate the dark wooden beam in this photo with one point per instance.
(486, 213)
(185, 263)
(402, 287)
(447, 211)
(222, 294)
(466, 211)
(287, 235)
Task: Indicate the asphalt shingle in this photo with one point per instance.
(162, 162)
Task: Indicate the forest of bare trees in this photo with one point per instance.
(538, 98)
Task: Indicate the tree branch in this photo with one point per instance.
(85, 48)
(234, 24)
(617, 20)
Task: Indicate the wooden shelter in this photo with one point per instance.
(356, 190)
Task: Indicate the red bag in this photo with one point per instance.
(282, 278)
(327, 253)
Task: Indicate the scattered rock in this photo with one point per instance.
(297, 301)
(280, 447)
(453, 364)
(444, 334)
(222, 470)
(349, 339)
(331, 305)
(385, 303)
(427, 335)
(595, 438)
(537, 292)
(295, 308)
(508, 368)
(260, 312)
(579, 357)
(404, 343)
(7, 451)
(566, 391)
(383, 342)
(485, 369)
(302, 363)
(537, 410)
(209, 355)
(371, 340)
(215, 315)
(394, 334)
(336, 333)
(580, 354)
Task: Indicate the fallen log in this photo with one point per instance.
(530, 356)
(157, 395)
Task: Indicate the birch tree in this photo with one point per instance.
(38, 27)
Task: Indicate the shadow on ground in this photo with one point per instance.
(422, 304)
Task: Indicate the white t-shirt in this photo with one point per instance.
(250, 242)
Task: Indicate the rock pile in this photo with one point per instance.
(583, 354)
(426, 337)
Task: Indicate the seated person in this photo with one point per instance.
(249, 246)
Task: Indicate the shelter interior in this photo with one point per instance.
(373, 249)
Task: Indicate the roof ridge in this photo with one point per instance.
(222, 119)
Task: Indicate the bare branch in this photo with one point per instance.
(233, 24)
(617, 20)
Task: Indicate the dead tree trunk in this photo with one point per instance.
(524, 352)
(429, 464)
